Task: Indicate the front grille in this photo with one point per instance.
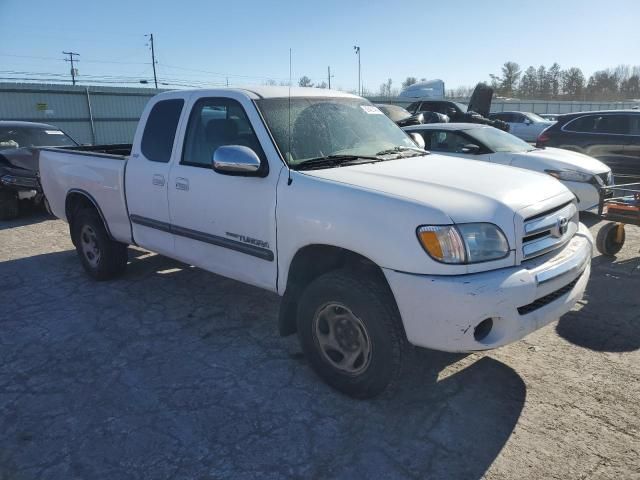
(549, 230)
(547, 299)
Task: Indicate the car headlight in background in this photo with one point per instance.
(570, 175)
(463, 243)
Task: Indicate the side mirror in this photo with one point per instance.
(527, 122)
(235, 160)
(470, 149)
(417, 138)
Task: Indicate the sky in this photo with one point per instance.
(246, 42)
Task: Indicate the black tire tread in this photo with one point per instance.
(380, 297)
(605, 239)
(9, 205)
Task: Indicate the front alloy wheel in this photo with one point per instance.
(342, 339)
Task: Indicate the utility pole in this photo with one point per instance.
(329, 76)
(357, 52)
(70, 59)
(153, 59)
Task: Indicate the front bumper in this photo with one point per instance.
(20, 183)
(588, 194)
(442, 312)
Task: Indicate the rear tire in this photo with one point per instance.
(607, 241)
(351, 332)
(9, 205)
(101, 257)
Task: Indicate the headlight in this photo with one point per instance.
(464, 243)
(570, 175)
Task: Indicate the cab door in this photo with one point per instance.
(147, 175)
(225, 223)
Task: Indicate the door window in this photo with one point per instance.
(450, 142)
(616, 124)
(213, 123)
(160, 130)
(612, 124)
(635, 124)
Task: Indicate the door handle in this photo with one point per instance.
(182, 184)
(158, 180)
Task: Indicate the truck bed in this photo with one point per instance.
(96, 172)
(118, 150)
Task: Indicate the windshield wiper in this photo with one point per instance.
(399, 150)
(334, 161)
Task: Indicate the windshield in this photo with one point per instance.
(499, 141)
(394, 112)
(461, 106)
(321, 127)
(19, 137)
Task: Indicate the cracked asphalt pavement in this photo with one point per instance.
(173, 372)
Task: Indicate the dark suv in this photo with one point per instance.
(611, 136)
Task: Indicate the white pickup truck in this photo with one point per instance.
(318, 196)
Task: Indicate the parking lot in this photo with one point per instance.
(172, 372)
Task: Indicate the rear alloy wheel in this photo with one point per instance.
(351, 332)
(89, 245)
(101, 257)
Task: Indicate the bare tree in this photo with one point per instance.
(305, 82)
(408, 82)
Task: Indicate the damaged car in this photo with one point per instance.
(19, 157)
(477, 111)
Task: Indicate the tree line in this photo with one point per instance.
(536, 83)
(556, 83)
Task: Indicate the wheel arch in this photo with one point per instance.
(77, 200)
(308, 263)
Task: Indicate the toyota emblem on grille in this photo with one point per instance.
(562, 225)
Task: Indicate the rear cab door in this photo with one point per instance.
(225, 223)
(147, 172)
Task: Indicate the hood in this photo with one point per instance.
(462, 190)
(558, 159)
(24, 158)
(480, 101)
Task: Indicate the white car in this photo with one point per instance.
(318, 196)
(581, 174)
(524, 125)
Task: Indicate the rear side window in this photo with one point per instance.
(160, 130)
(613, 124)
(616, 124)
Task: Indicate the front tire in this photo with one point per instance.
(101, 257)
(351, 332)
(9, 205)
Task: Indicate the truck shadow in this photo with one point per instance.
(191, 364)
(608, 319)
(30, 216)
